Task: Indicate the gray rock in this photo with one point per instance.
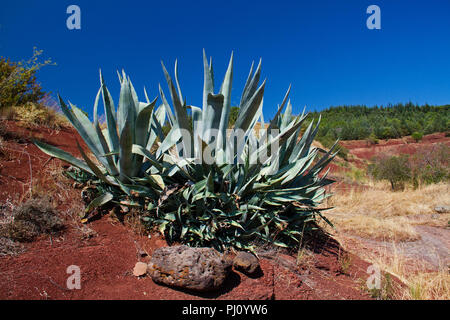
(201, 269)
(442, 209)
(246, 262)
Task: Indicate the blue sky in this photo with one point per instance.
(322, 47)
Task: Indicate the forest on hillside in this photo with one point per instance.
(394, 121)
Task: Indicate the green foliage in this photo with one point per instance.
(394, 169)
(417, 136)
(394, 121)
(18, 82)
(222, 199)
(372, 139)
(429, 165)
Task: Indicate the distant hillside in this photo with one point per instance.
(394, 121)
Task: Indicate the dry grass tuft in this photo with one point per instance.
(387, 229)
(31, 219)
(381, 214)
(34, 115)
(9, 247)
(381, 202)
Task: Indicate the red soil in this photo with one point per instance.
(106, 260)
(406, 145)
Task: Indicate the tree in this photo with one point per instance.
(394, 169)
(417, 136)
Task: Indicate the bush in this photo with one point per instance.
(430, 165)
(394, 169)
(417, 136)
(372, 139)
(18, 82)
(33, 114)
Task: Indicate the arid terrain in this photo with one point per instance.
(398, 231)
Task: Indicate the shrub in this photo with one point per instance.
(33, 114)
(430, 165)
(417, 136)
(9, 247)
(372, 139)
(18, 82)
(394, 169)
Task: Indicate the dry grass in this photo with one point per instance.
(387, 229)
(390, 218)
(35, 115)
(381, 214)
(32, 218)
(381, 202)
(419, 282)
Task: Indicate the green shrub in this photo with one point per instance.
(417, 136)
(18, 82)
(394, 169)
(430, 165)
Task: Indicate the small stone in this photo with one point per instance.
(246, 262)
(140, 269)
(200, 269)
(442, 209)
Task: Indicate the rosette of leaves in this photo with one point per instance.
(236, 200)
(123, 169)
(231, 201)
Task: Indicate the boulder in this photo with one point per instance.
(200, 269)
(246, 262)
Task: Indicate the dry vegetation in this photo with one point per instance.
(32, 115)
(377, 224)
(381, 214)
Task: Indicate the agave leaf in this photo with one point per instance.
(251, 84)
(103, 141)
(137, 149)
(110, 115)
(99, 201)
(225, 90)
(249, 109)
(94, 168)
(65, 156)
(143, 122)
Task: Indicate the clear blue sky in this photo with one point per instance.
(322, 47)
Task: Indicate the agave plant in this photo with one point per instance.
(121, 147)
(236, 199)
(230, 196)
